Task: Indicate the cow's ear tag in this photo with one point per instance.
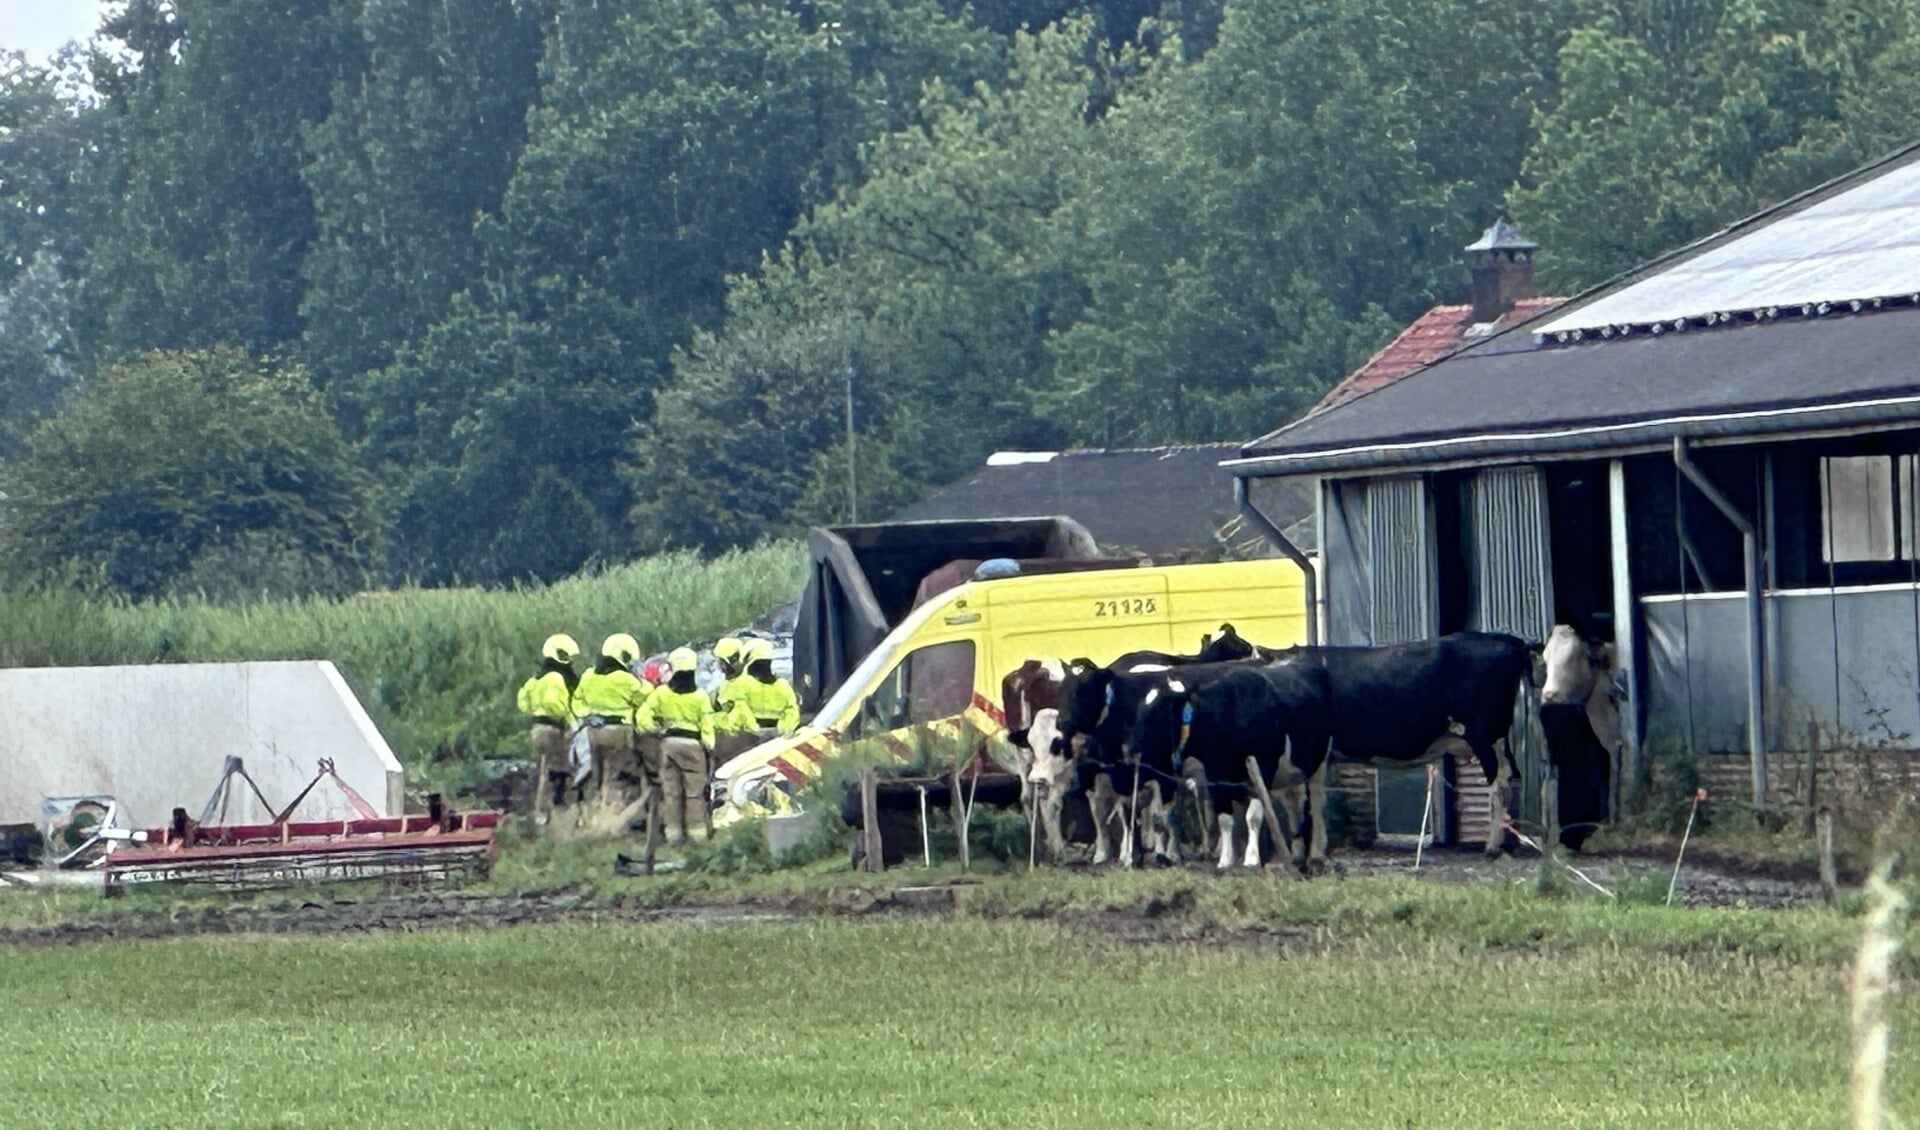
(1186, 715)
(1109, 695)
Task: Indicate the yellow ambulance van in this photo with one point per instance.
(935, 681)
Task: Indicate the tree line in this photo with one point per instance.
(310, 295)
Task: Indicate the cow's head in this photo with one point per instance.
(1084, 697)
(1571, 668)
(1050, 761)
(1158, 728)
(1225, 646)
(1032, 687)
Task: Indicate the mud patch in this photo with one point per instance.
(440, 911)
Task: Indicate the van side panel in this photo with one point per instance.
(1265, 601)
(1101, 616)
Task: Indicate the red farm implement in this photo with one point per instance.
(437, 846)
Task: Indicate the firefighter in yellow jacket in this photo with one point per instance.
(685, 712)
(548, 698)
(732, 725)
(763, 700)
(608, 698)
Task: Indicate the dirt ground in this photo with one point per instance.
(1707, 880)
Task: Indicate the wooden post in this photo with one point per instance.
(1282, 841)
(1550, 806)
(870, 821)
(957, 811)
(650, 802)
(1829, 879)
(1810, 798)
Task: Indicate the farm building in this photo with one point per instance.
(1709, 462)
(1170, 503)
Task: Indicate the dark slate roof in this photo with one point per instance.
(1162, 501)
(1513, 397)
(1844, 360)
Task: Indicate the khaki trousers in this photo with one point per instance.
(683, 779)
(550, 760)
(619, 779)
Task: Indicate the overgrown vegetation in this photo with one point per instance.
(436, 668)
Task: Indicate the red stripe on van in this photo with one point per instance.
(806, 750)
(981, 702)
(786, 770)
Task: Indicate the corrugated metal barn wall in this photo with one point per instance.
(1513, 593)
(1379, 566)
(1379, 561)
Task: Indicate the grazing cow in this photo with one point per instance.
(1277, 715)
(1407, 703)
(1581, 718)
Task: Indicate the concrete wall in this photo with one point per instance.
(155, 737)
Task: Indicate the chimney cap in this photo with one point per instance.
(1503, 236)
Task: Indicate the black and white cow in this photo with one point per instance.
(1081, 752)
(1580, 716)
(1219, 717)
(1408, 703)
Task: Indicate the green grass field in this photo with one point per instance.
(1413, 1020)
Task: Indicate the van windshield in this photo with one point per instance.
(841, 707)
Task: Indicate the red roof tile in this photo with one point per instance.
(1432, 336)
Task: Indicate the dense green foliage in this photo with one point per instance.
(931, 1023)
(436, 668)
(581, 281)
(198, 470)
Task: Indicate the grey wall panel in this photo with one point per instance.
(1402, 560)
(1696, 666)
(1513, 592)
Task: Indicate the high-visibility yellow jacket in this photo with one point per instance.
(683, 714)
(729, 706)
(615, 695)
(770, 703)
(547, 696)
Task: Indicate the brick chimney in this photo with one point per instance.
(1502, 264)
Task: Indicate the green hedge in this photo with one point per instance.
(436, 668)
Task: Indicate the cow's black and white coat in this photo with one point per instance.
(1220, 719)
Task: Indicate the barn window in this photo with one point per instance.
(1867, 507)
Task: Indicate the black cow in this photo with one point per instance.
(1405, 703)
(1219, 716)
